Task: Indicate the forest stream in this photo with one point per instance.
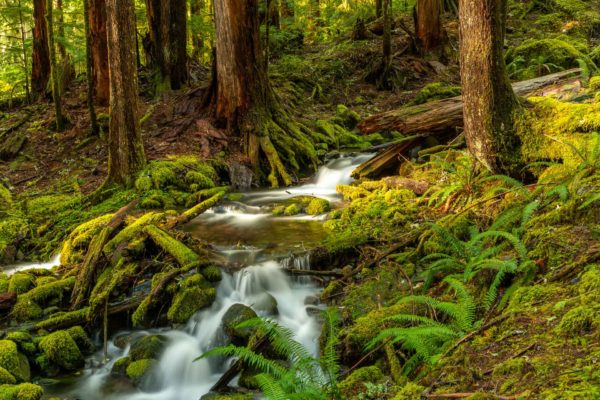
(256, 246)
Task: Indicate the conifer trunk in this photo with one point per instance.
(99, 51)
(167, 43)
(56, 95)
(125, 147)
(40, 68)
(88, 68)
(196, 8)
(490, 104)
(428, 24)
(378, 8)
(24, 48)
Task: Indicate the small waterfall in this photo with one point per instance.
(55, 261)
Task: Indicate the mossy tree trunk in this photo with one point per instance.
(378, 8)
(24, 48)
(490, 104)
(89, 67)
(40, 69)
(56, 95)
(99, 51)
(167, 43)
(428, 24)
(125, 147)
(241, 98)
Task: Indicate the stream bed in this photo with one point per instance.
(258, 244)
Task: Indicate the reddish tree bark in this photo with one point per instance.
(40, 69)
(99, 47)
(490, 104)
(125, 148)
(428, 24)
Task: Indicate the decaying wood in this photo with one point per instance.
(443, 114)
(7, 301)
(468, 394)
(435, 118)
(89, 268)
(195, 211)
(15, 126)
(308, 272)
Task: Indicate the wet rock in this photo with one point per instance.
(266, 303)
(150, 346)
(314, 311)
(230, 396)
(13, 361)
(235, 315)
(240, 176)
(120, 366)
(311, 300)
(138, 370)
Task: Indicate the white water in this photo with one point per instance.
(55, 261)
(177, 376)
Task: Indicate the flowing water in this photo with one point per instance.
(258, 245)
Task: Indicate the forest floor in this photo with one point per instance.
(525, 256)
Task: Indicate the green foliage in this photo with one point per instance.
(306, 377)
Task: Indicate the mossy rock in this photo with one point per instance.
(235, 315)
(14, 362)
(265, 302)
(20, 283)
(317, 207)
(410, 391)
(354, 384)
(579, 320)
(232, 396)
(61, 349)
(150, 346)
(84, 343)
(348, 118)
(293, 209)
(6, 377)
(189, 301)
(138, 370)
(212, 273)
(24, 391)
(24, 342)
(120, 366)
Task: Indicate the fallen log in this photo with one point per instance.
(308, 272)
(435, 118)
(89, 269)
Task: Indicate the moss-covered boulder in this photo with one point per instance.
(346, 117)
(14, 362)
(24, 342)
(235, 315)
(212, 273)
(150, 346)
(24, 391)
(355, 382)
(231, 396)
(188, 301)
(6, 377)
(120, 366)
(138, 370)
(84, 343)
(317, 207)
(61, 349)
(21, 282)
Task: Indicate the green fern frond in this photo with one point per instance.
(512, 239)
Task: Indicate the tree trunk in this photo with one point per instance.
(167, 43)
(88, 68)
(490, 104)
(286, 10)
(428, 25)
(378, 8)
(196, 8)
(40, 69)
(61, 31)
(99, 51)
(242, 99)
(125, 147)
(24, 49)
(56, 95)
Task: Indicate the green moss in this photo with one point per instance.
(61, 349)
(132, 230)
(12, 361)
(513, 366)
(590, 280)
(26, 310)
(120, 366)
(20, 283)
(410, 391)
(4, 282)
(212, 273)
(235, 396)
(24, 391)
(199, 179)
(137, 370)
(44, 280)
(29, 305)
(143, 183)
(594, 84)
(150, 346)
(293, 209)
(317, 207)
(24, 342)
(84, 343)
(6, 377)
(578, 321)
(66, 318)
(189, 301)
(79, 239)
(354, 384)
(183, 254)
(435, 91)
